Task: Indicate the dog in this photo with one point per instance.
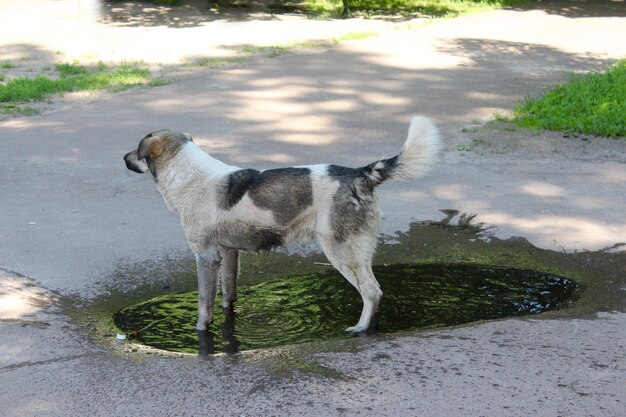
(225, 209)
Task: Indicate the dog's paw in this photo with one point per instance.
(356, 329)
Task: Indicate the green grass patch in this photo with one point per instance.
(429, 8)
(355, 36)
(593, 103)
(74, 77)
(15, 110)
(273, 51)
(217, 62)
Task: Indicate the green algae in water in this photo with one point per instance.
(320, 306)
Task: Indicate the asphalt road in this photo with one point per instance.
(72, 216)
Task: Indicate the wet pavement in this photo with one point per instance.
(318, 306)
(77, 226)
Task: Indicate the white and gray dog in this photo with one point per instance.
(226, 209)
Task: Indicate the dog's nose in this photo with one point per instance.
(132, 162)
(128, 161)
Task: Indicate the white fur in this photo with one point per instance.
(324, 189)
(421, 149)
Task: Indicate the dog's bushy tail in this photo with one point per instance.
(419, 153)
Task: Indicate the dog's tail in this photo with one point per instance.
(419, 153)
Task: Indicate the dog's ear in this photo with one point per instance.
(151, 146)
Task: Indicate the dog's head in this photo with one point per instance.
(155, 150)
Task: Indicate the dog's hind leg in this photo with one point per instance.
(228, 275)
(354, 262)
(362, 278)
(208, 265)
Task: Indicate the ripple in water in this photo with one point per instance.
(319, 306)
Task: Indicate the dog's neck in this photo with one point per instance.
(190, 173)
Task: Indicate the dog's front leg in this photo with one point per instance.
(208, 265)
(228, 274)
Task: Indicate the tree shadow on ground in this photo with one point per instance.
(194, 13)
(341, 86)
(578, 8)
(188, 14)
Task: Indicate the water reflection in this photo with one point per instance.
(206, 338)
(319, 306)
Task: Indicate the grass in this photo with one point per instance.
(217, 62)
(430, 8)
(355, 36)
(74, 77)
(16, 110)
(593, 103)
(273, 51)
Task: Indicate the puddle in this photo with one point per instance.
(435, 269)
(319, 306)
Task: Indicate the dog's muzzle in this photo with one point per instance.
(134, 164)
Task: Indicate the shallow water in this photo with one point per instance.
(319, 306)
(452, 241)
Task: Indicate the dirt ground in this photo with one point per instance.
(76, 224)
(42, 32)
(169, 40)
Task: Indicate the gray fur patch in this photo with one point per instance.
(238, 183)
(249, 238)
(286, 192)
(354, 204)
